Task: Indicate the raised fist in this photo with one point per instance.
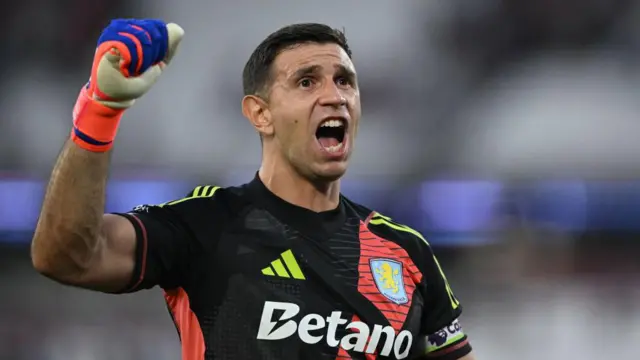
(130, 56)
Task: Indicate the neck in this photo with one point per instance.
(290, 186)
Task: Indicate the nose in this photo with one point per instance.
(332, 96)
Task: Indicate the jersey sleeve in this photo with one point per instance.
(165, 240)
(443, 335)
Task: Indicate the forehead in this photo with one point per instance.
(326, 56)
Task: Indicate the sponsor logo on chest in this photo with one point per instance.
(314, 328)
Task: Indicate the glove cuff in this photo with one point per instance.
(94, 124)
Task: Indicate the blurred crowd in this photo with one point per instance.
(472, 88)
(511, 92)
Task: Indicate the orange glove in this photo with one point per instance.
(130, 57)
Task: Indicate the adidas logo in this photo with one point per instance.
(286, 268)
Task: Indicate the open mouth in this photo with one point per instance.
(331, 134)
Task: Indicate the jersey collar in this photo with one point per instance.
(308, 222)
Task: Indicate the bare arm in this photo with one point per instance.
(74, 242)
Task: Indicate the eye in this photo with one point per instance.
(343, 81)
(305, 83)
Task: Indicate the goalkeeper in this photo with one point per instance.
(283, 267)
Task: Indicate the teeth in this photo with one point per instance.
(334, 148)
(332, 123)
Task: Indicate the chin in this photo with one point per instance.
(329, 172)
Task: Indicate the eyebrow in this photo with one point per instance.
(306, 71)
(345, 71)
(309, 70)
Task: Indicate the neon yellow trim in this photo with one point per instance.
(268, 271)
(212, 191)
(197, 193)
(384, 221)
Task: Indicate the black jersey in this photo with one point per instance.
(247, 275)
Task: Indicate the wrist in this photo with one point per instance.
(94, 124)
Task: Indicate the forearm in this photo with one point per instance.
(68, 237)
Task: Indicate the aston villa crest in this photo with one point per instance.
(387, 275)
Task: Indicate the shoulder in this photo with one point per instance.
(203, 201)
(406, 237)
(389, 229)
(194, 199)
(202, 214)
(401, 231)
(199, 196)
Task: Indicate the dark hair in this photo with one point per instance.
(256, 75)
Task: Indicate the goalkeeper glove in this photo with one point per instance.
(130, 56)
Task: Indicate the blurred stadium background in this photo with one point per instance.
(505, 130)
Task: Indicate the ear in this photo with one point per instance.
(256, 110)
